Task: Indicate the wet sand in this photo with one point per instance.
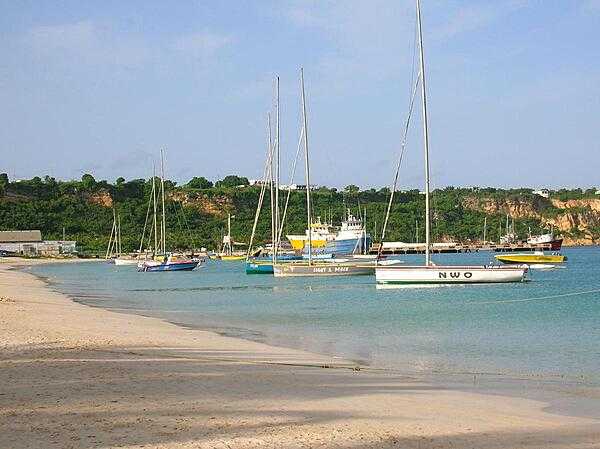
(73, 376)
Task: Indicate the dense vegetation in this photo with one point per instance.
(197, 211)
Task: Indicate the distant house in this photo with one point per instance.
(30, 243)
(542, 192)
(296, 187)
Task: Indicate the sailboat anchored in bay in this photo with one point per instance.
(430, 273)
(311, 267)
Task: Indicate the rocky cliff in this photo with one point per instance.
(216, 205)
(577, 220)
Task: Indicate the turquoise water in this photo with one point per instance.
(549, 326)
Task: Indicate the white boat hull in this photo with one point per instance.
(126, 261)
(322, 269)
(422, 275)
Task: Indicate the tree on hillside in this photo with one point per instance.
(232, 181)
(88, 181)
(352, 189)
(199, 182)
(3, 180)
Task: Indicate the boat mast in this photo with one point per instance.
(162, 185)
(306, 168)
(277, 175)
(271, 186)
(119, 248)
(110, 240)
(425, 138)
(229, 249)
(155, 221)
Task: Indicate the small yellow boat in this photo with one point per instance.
(537, 257)
(233, 257)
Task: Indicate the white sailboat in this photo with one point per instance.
(311, 267)
(429, 273)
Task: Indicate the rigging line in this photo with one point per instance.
(403, 148)
(146, 220)
(414, 57)
(266, 176)
(539, 298)
(287, 199)
(187, 226)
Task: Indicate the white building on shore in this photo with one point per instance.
(30, 243)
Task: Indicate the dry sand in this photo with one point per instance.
(73, 376)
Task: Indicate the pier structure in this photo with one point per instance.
(391, 248)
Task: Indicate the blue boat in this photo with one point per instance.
(171, 263)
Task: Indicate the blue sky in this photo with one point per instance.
(100, 86)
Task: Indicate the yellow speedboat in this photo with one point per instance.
(537, 257)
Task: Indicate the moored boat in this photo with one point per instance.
(537, 257)
(546, 239)
(430, 273)
(321, 235)
(232, 257)
(126, 260)
(322, 269)
(444, 274)
(351, 238)
(170, 263)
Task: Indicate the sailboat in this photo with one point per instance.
(321, 267)
(163, 261)
(257, 261)
(429, 273)
(227, 253)
(112, 250)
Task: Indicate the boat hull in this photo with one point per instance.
(299, 241)
(232, 258)
(259, 267)
(121, 262)
(322, 269)
(530, 258)
(265, 265)
(174, 266)
(422, 275)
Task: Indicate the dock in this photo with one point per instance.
(391, 248)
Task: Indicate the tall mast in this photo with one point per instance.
(155, 221)
(272, 187)
(277, 174)
(425, 138)
(119, 247)
(162, 188)
(228, 251)
(306, 168)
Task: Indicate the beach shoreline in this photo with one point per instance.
(81, 376)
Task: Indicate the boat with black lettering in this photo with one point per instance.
(429, 273)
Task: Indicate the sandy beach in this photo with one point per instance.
(74, 376)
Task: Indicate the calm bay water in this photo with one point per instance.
(549, 326)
